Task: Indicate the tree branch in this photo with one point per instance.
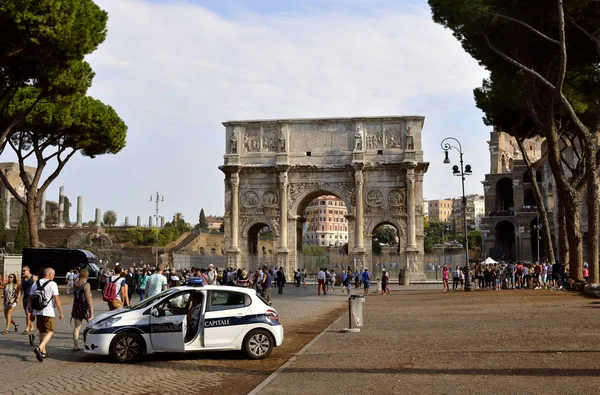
(594, 39)
(527, 26)
(56, 172)
(12, 190)
(519, 65)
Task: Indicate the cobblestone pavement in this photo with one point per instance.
(482, 342)
(302, 313)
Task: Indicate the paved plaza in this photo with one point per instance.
(303, 314)
(416, 340)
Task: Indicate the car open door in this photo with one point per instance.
(167, 320)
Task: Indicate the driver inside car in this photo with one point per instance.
(193, 316)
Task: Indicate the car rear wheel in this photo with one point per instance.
(126, 347)
(258, 344)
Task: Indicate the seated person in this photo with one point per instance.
(193, 316)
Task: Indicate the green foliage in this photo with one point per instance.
(22, 234)
(312, 250)
(179, 224)
(386, 235)
(109, 218)
(2, 229)
(43, 45)
(147, 236)
(202, 222)
(376, 247)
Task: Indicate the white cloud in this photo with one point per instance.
(175, 71)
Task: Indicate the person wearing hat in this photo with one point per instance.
(212, 274)
(385, 280)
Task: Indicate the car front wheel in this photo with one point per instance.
(126, 347)
(258, 344)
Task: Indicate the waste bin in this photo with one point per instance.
(356, 310)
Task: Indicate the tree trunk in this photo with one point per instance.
(563, 243)
(593, 197)
(32, 209)
(540, 203)
(572, 216)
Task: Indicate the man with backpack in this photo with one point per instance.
(42, 301)
(115, 290)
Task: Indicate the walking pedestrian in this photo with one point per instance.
(156, 283)
(445, 278)
(70, 278)
(42, 305)
(321, 277)
(12, 291)
(332, 281)
(385, 280)
(280, 280)
(83, 307)
(266, 283)
(142, 282)
(455, 278)
(27, 280)
(115, 290)
(366, 280)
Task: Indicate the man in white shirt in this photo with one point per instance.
(45, 321)
(321, 279)
(212, 275)
(157, 282)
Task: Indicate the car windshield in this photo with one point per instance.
(151, 300)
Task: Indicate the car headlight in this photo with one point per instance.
(106, 323)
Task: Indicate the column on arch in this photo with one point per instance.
(412, 225)
(358, 221)
(235, 185)
(283, 212)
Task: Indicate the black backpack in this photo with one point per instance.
(38, 300)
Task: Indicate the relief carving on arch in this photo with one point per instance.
(346, 187)
(374, 198)
(397, 198)
(393, 136)
(270, 138)
(252, 139)
(270, 199)
(298, 188)
(374, 137)
(249, 199)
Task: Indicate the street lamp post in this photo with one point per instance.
(538, 227)
(446, 145)
(157, 198)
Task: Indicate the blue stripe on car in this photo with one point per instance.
(208, 323)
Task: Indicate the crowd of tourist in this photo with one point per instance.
(509, 275)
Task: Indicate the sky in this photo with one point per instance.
(174, 70)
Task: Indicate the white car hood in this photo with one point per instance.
(106, 315)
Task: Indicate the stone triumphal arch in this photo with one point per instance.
(275, 168)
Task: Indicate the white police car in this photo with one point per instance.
(186, 319)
